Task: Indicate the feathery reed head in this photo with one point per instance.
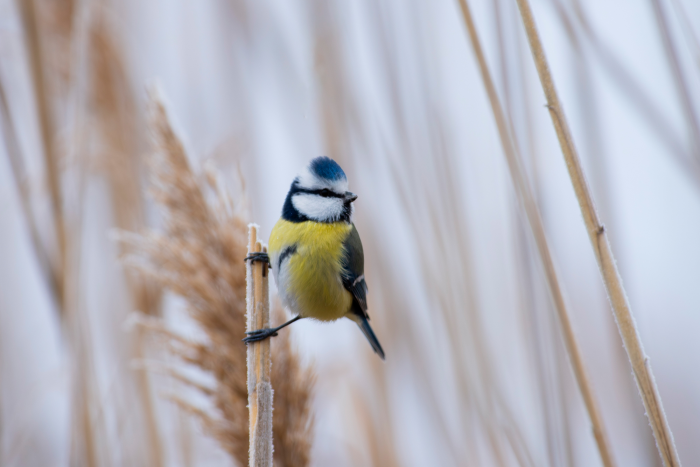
(199, 256)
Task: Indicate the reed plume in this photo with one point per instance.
(292, 421)
(199, 256)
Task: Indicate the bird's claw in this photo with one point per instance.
(258, 256)
(259, 335)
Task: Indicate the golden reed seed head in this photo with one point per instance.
(199, 256)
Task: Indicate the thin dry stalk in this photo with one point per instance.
(41, 95)
(65, 258)
(591, 122)
(535, 220)
(448, 272)
(259, 362)
(690, 35)
(540, 318)
(631, 89)
(540, 336)
(603, 252)
(118, 134)
(200, 258)
(681, 85)
(19, 173)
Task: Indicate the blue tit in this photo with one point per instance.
(316, 253)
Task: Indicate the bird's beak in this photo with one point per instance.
(350, 197)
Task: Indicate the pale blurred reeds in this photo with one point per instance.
(477, 373)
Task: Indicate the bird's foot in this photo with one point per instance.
(259, 335)
(258, 256)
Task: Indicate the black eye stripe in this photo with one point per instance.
(326, 193)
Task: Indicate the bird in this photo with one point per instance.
(315, 253)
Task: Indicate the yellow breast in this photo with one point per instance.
(309, 281)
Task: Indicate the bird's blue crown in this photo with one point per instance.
(325, 167)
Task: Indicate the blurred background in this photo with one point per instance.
(476, 371)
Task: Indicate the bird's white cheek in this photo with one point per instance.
(318, 207)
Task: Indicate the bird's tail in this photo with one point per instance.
(366, 329)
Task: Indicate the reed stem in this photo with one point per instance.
(684, 96)
(53, 175)
(259, 361)
(603, 253)
(527, 198)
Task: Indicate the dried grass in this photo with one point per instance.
(56, 20)
(602, 250)
(19, 174)
(535, 220)
(114, 126)
(41, 84)
(293, 384)
(48, 33)
(199, 257)
(202, 239)
(684, 96)
(629, 87)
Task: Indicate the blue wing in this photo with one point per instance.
(353, 275)
(354, 269)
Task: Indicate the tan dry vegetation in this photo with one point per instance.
(199, 257)
(118, 138)
(455, 386)
(535, 219)
(603, 252)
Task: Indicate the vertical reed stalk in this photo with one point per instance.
(33, 44)
(259, 361)
(690, 36)
(632, 90)
(683, 92)
(18, 169)
(603, 252)
(115, 125)
(533, 215)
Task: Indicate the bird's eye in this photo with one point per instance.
(326, 193)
